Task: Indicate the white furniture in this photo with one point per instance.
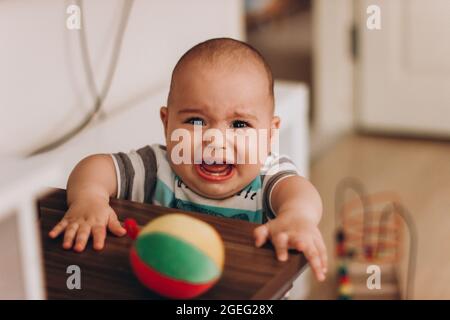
(21, 181)
(292, 106)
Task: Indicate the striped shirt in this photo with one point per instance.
(145, 176)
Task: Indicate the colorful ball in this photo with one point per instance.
(178, 256)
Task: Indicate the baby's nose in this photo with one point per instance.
(215, 143)
(217, 138)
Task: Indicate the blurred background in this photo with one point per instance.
(356, 102)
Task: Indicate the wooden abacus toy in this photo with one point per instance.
(369, 235)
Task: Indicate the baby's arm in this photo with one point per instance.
(89, 187)
(298, 209)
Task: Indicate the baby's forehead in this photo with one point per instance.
(227, 57)
(227, 62)
(221, 70)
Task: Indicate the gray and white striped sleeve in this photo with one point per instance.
(136, 174)
(276, 169)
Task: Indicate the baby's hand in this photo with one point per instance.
(291, 232)
(86, 217)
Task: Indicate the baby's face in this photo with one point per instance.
(224, 99)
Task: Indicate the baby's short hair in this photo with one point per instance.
(222, 50)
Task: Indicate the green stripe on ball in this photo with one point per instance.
(175, 258)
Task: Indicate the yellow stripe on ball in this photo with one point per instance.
(192, 231)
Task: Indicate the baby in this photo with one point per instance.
(222, 86)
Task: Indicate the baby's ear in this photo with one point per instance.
(164, 115)
(274, 137)
(275, 124)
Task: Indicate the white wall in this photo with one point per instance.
(43, 89)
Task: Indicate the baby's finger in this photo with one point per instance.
(261, 235)
(99, 235)
(115, 227)
(82, 237)
(322, 254)
(71, 231)
(312, 255)
(280, 241)
(58, 228)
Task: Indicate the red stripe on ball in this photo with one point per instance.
(164, 285)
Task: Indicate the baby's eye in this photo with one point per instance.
(195, 121)
(239, 124)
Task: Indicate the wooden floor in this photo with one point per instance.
(419, 172)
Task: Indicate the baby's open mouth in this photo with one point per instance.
(215, 172)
